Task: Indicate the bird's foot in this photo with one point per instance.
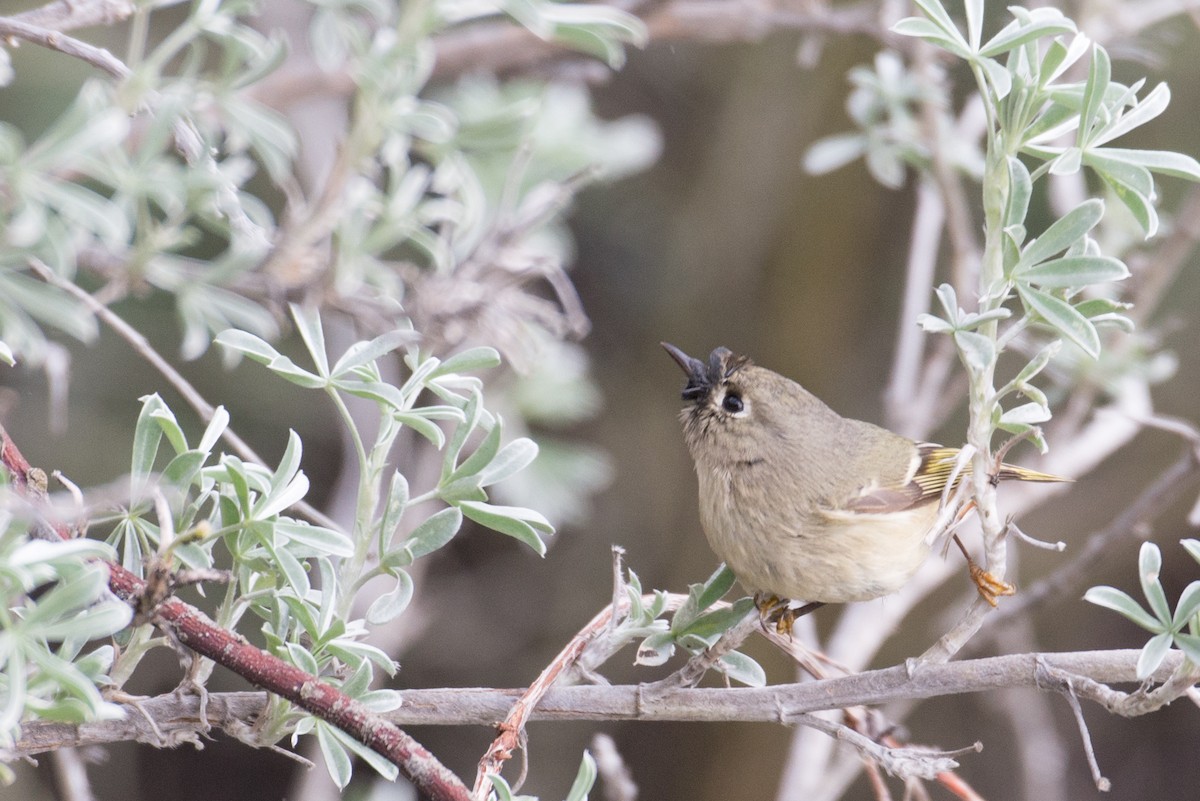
(775, 611)
(990, 588)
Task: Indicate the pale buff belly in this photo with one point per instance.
(831, 558)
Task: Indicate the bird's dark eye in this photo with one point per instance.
(732, 403)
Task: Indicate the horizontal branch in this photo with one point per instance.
(177, 719)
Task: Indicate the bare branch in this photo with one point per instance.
(66, 15)
(1089, 672)
(98, 57)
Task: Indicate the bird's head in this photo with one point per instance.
(729, 399)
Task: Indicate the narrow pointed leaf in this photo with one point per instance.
(1064, 232)
(1074, 272)
(1064, 318)
(1152, 655)
(1123, 603)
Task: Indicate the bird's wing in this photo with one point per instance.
(933, 467)
(925, 480)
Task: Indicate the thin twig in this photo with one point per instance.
(902, 762)
(98, 57)
(1065, 687)
(694, 669)
(65, 15)
(512, 729)
(618, 783)
(70, 774)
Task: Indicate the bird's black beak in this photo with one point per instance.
(698, 384)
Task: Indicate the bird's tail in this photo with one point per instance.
(1018, 473)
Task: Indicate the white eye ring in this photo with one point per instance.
(734, 404)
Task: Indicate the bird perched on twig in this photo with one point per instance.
(804, 504)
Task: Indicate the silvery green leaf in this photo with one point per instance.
(1028, 414)
(292, 569)
(949, 300)
(319, 539)
(377, 391)
(932, 33)
(381, 701)
(1129, 174)
(1144, 110)
(1060, 58)
(1042, 22)
(422, 426)
(833, 152)
(302, 658)
(308, 323)
(146, 435)
(1152, 655)
(512, 458)
(974, 12)
(717, 622)
(362, 352)
(101, 619)
(1121, 602)
(1192, 547)
(655, 650)
(740, 667)
(1099, 75)
(1037, 363)
(337, 761)
(519, 523)
(977, 350)
(259, 351)
(1139, 205)
(1067, 162)
(500, 788)
(1149, 566)
(377, 761)
(1160, 161)
(585, 779)
(437, 530)
(1074, 272)
(183, 469)
(1064, 232)
(478, 358)
(1062, 317)
(1020, 190)
(215, 428)
(482, 456)
(282, 498)
(6, 354)
(999, 77)
(1190, 645)
(1189, 603)
(933, 325)
(387, 607)
(719, 583)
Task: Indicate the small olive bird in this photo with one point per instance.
(802, 503)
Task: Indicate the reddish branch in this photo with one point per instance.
(197, 631)
(513, 727)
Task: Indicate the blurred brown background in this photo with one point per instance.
(724, 242)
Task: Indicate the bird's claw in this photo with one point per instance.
(776, 611)
(990, 588)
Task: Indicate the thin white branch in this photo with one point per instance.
(906, 763)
